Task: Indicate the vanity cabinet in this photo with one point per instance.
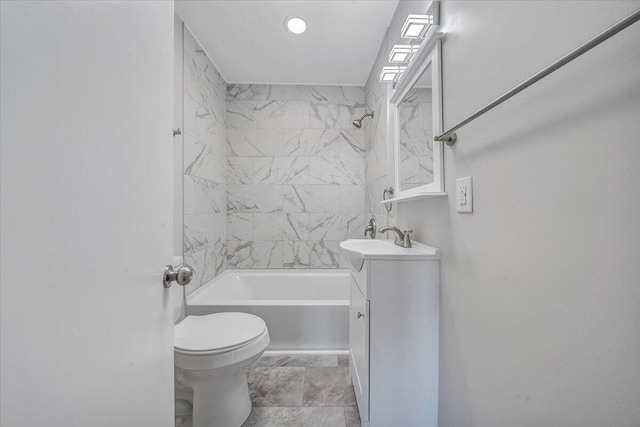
(393, 339)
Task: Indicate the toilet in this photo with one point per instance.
(211, 355)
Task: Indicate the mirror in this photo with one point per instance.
(415, 140)
(416, 104)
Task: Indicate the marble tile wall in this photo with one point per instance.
(295, 174)
(204, 153)
(377, 148)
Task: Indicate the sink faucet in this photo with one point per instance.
(402, 239)
(371, 228)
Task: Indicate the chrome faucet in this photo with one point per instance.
(402, 239)
(371, 228)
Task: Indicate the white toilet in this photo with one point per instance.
(211, 355)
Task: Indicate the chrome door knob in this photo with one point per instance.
(182, 276)
(360, 315)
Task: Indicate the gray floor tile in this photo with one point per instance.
(343, 360)
(324, 386)
(276, 386)
(296, 360)
(323, 417)
(298, 417)
(352, 417)
(273, 417)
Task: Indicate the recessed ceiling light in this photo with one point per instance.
(295, 24)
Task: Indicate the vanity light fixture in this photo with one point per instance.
(295, 24)
(417, 26)
(391, 73)
(402, 53)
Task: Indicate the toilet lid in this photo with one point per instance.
(217, 331)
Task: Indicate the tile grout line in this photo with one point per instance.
(304, 381)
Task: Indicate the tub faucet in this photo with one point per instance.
(402, 239)
(371, 228)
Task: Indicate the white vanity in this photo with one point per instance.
(393, 332)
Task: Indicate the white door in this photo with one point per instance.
(86, 115)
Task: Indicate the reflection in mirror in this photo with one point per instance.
(415, 126)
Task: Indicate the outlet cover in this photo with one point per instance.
(464, 194)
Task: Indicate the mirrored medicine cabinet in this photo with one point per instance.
(415, 108)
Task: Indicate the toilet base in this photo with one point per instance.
(220, 396)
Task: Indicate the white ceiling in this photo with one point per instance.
(248, 43)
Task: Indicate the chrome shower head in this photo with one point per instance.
(358, 122)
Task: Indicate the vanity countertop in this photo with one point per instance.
(387, 250)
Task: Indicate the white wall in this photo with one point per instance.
(540, 294)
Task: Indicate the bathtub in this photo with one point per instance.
(305, 310)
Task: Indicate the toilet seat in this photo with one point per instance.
(218, 340)
(217, 333)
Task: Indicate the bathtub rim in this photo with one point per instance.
(308, 272)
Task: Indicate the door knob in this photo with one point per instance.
(360, 315)
(182, 276)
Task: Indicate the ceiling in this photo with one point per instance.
(248, 43)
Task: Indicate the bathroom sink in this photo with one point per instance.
(358, 250)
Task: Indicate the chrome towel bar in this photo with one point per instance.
(450, 137)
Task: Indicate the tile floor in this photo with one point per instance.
(301, 391)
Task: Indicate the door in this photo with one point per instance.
(86, 221)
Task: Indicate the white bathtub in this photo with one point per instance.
(305, 310)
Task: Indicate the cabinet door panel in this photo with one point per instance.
(359, 348)
(361, 278)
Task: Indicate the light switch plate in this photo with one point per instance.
(464, 194)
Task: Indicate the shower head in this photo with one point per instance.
(358, 122)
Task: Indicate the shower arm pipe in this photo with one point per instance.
(450, 137)
(358, 122)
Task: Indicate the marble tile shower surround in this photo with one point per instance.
(274, 175)
(204, 145)
(295, 174)
(416, 139)
(377, 176)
